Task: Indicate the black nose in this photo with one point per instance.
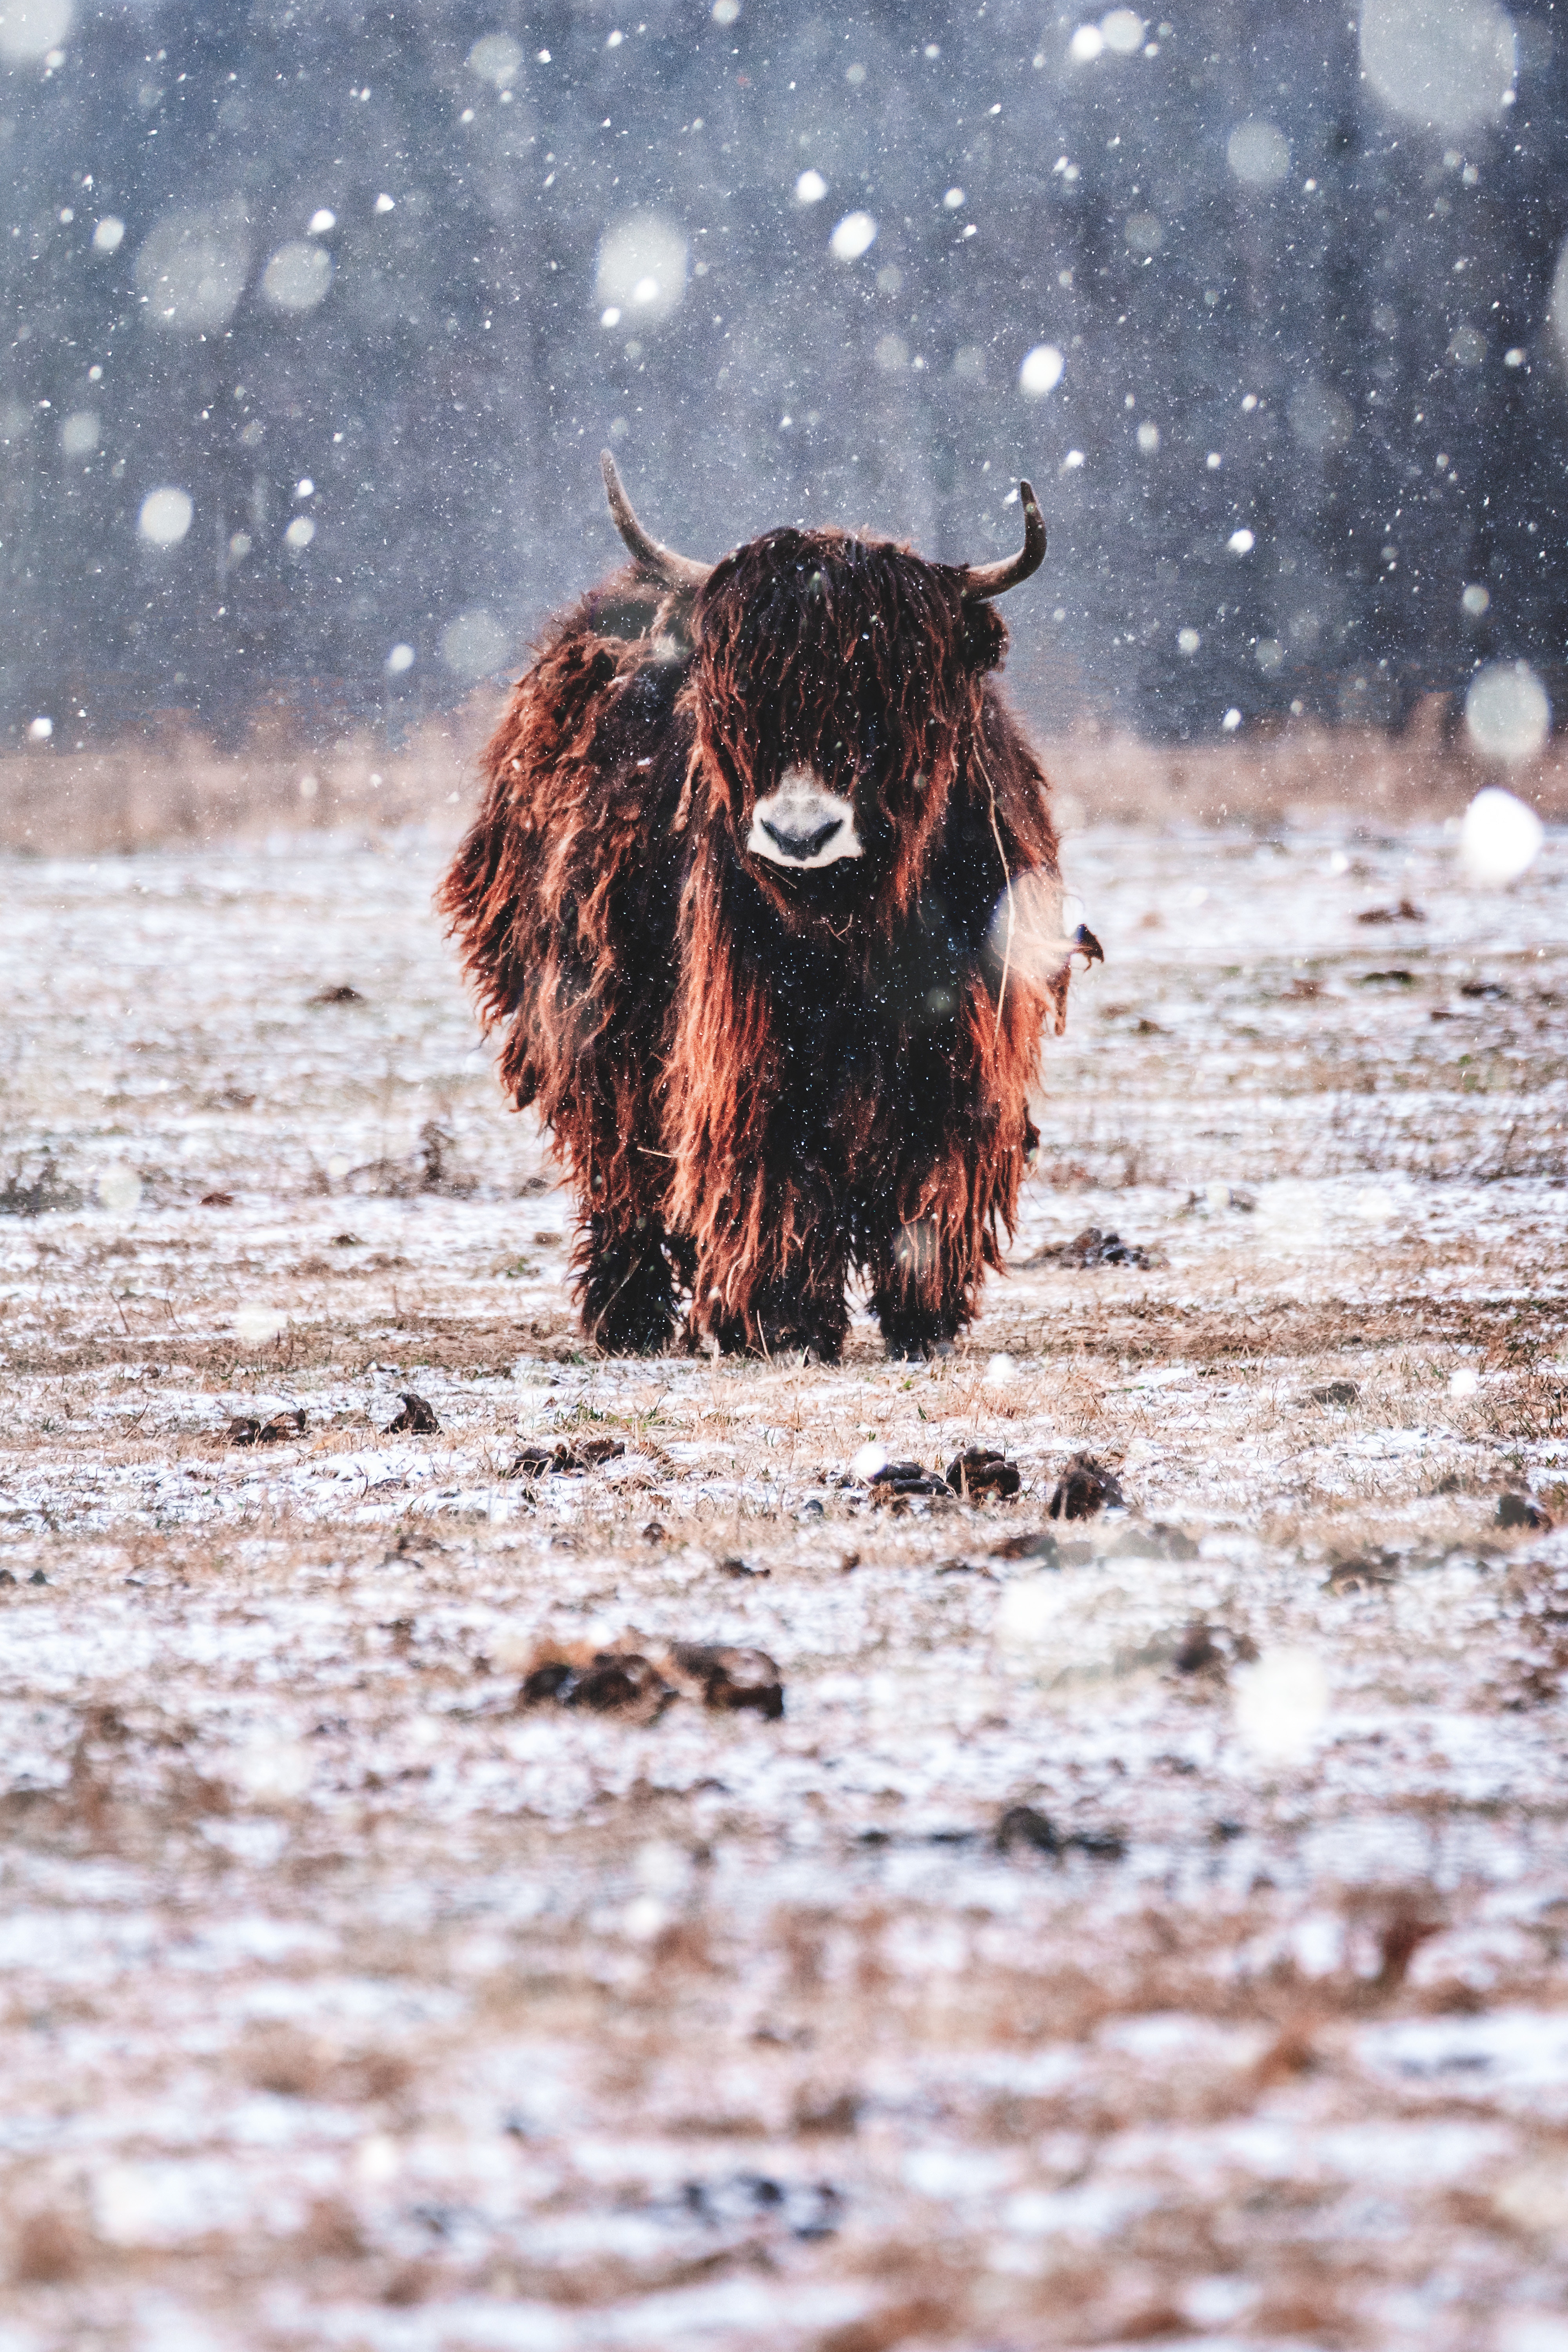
(803, 845)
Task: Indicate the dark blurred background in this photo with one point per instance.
(320, 314)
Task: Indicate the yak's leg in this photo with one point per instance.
(925, 1275)
(783, 1316)
(776, 1283)
(625, 1284)
(624, 1269)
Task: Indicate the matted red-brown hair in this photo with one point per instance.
(759, 1078)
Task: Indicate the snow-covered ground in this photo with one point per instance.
(1171, 1941)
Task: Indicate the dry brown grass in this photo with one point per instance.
(116, 798)
(1271, 774)
(177, 787)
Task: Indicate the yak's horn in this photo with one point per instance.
(990, 578)
(675, 571)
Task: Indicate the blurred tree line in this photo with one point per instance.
(321, 313)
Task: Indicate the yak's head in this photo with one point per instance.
(835, 692)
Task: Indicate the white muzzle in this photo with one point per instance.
(802, 824)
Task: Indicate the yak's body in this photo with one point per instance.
(762, 1074)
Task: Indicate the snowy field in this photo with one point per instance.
(1166, 1940)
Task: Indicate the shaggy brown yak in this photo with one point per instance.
(763, 897)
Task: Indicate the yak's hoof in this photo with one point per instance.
(638, 1320)
(635, 1343)
(775, 1342)
(917, 1351)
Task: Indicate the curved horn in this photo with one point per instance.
(991, 579)
(675, 571)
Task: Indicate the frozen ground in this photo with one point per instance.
(349, 2003)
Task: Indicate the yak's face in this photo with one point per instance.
(832, 682)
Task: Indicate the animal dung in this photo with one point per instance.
(568, 1460)
(898, 1483)
(417, 1419)
(1024, 1825)
(1519, 1511)
(1198, 1652)
(978, 1470)
(1096, 1245)
(626, 1682)
(250, 1429)
(1041, 1546)
(1363, 1571)
(731, 1679)
(606, 1681)
(1085, 1487)
(1407, 911)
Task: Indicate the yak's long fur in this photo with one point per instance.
(762, 1078)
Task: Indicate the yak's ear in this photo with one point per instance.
(985, 635)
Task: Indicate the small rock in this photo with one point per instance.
(1096, 1245)
(592, 1452)
(1519, 1511)
(248, 1429)
(1085, 1487)
(965, 1567)
(1041, 1546)
(216, 1201)
(1198, 1652)
(1363, 1571)
(347, 1240)
(1022, 1825)
(980, 1470)
(1335, 1392)
(625, 1682)
(342, 995)
(417, 1419)
(566, 1461)
(654, 1533)
(732, 1679)
(37, 1577)
(734, 1566)
(1407, 911)
(1100, 1845)
(812, 1509)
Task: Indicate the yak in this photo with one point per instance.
(763, 898)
